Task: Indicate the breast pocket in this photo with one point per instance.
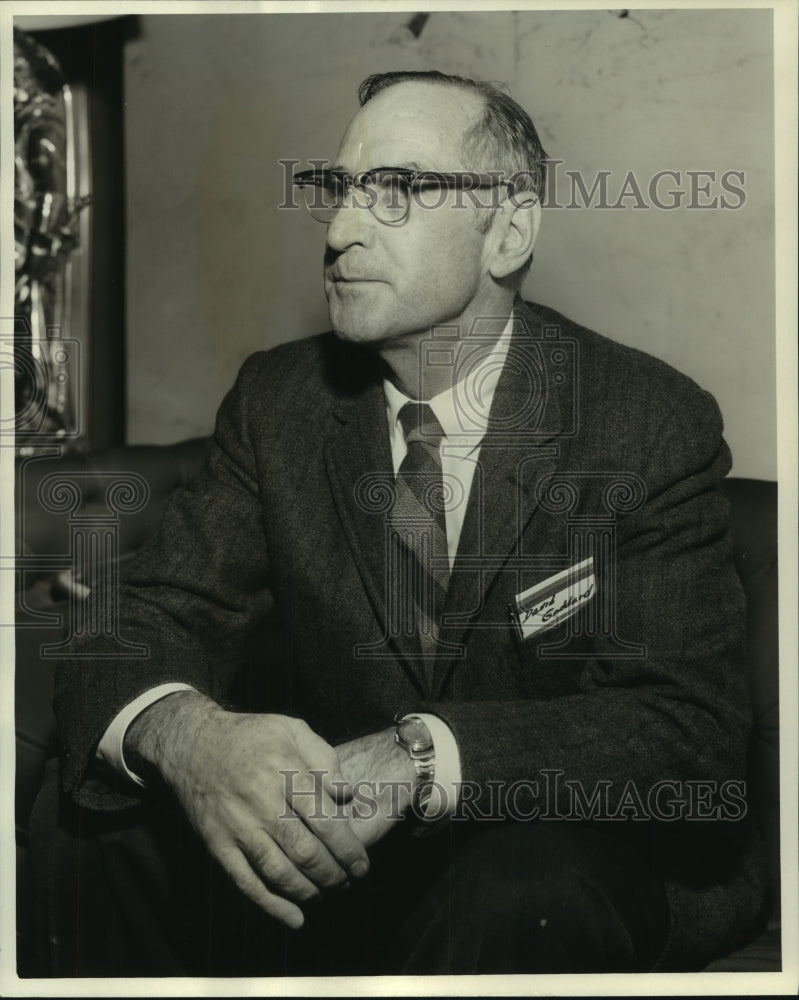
(553, 621)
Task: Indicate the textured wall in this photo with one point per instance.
(215, 271)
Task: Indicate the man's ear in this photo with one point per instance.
(515, 231)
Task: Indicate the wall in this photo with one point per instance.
(216, 271)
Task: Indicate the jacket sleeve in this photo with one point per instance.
(678, 712)
(192, 598)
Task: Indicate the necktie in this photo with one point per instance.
(420, 566)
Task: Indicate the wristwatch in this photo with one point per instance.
(414, 737)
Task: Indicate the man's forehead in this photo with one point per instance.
(416, 125)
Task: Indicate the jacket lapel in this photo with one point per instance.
(361, 474)
(358, 458)
(520, 448)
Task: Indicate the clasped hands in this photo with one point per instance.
(273, 801)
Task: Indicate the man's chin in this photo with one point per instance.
(361, 313)
(357, 330)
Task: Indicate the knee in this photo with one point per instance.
(568, 923)
(551, 900)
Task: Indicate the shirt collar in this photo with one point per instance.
(463, 409)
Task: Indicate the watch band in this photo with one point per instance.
(414, 737)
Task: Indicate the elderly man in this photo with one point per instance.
(445, 643)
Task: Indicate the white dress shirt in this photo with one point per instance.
(463, 413)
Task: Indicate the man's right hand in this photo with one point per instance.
(280, 846)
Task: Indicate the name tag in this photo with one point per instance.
(554, 600)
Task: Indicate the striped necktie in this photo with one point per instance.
(419, 535)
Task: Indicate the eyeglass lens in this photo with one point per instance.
(386, 194)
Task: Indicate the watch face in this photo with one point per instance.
(415, 734)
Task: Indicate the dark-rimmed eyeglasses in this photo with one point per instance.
(386, 191)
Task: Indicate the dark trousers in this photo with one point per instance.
(137, 895)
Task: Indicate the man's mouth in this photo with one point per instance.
(338, 274)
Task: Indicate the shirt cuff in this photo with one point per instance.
(109, 749)
(443, 798)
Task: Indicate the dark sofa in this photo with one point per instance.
(46, 584)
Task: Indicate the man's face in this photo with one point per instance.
(388, 281)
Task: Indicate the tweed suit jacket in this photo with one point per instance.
(266, 588)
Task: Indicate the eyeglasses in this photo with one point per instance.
(386, 191)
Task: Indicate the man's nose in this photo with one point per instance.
(352, 223)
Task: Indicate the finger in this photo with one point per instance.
(329, 823)
(277, 870)
(324, 816)
(251, 886)
(305, 850)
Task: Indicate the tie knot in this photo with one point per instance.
(420, 424)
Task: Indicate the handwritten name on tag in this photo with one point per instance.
(554, 600)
